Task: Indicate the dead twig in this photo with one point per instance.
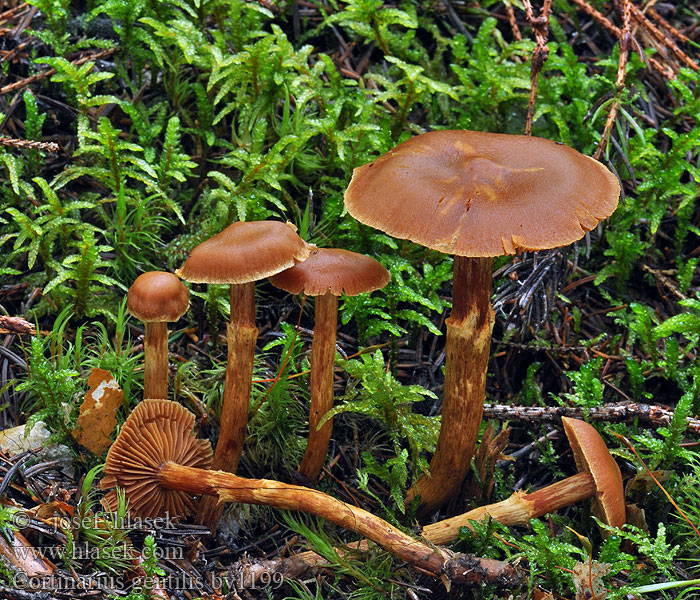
(647, 414)
(466, 569)
(511, 20)
(624, 44)
(44, 74)
(666, 25)
(642, 19)
(29, 144)
(597, 16)
(8, 14)
(540, 26)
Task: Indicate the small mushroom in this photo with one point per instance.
(157, 298)
(156, 432)
(157, 461)
(476, 195)
(240, 255)
(327, 274)
(598, 477)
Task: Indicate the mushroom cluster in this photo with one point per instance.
(468, 194)
(158, 462)
(243, 253)
(238, 256)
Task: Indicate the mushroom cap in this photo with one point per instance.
(333, 271)
(157, 431)
(592, 456)
(482, 194)
(245, 251)
(157, 296)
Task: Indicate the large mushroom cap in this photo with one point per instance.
(157, 431)
(245, 251)
(592, 456)
(333, 271)
(482, 194)
(157, 296)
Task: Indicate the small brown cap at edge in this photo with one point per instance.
(157, 296)
(333, 271)
(592, 456)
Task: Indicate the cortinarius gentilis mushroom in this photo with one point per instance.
(157, 298)
(476, 195)
(327, 274)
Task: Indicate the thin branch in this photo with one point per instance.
(29, 144)
(642, 19)
(647, 414)
(44, 74)
(624, 44)
(597, 16)
(540, 26)
(511, 20)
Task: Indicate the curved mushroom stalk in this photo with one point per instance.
(599, 478)
(158, 462)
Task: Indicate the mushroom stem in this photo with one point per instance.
(226, 487)
(322, 363)
(466, 359)
(518, 508)
(159, 463)
(155, 349)
(241, 335)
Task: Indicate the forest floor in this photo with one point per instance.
(133, 130)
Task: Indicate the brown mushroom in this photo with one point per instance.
(157, 461)
(240, 255)
(598, 477)
(476, 195)
(598, 470)
(157, 298)
(327, 274)
(156, 432)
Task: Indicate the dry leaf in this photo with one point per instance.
(540, 594)
(22, 555)
(98, 413)
(588, 580)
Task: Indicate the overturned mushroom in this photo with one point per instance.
(157, 298)
(240, 255)
(157, 461)
(327, 274)
(156, 432)
(476, 196)
(598, 477)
